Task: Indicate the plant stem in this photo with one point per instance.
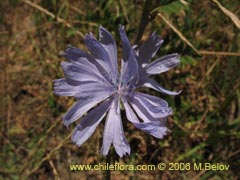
(108, 162)
(144, 20)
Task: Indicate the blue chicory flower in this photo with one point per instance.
(93, 79)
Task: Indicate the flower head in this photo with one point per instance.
(93, 79)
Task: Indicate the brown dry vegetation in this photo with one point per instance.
(35, 144)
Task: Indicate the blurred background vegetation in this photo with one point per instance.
(35, 144)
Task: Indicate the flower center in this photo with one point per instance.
(123, 88)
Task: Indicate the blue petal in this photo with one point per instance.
(129, 69)
(156, 101)
(148, 82)
(147, 111)
(149, 48)
(99, 53)
(89, 123)
(85, 63)
(113, 132)
(154, 111)
(82, 106)
(74, 71)
(62, 88)
(86, 89)
(109, 45)
(75, 54)
(155, 128)
(126, 46)
(162, 64)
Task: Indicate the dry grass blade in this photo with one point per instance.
(77, 10)
(228, 13)
(184, 39)
(55, 172)
(124, 11)
(177, 32)
(208, 72)
(58, 19)
(219, 53)
(199, 175)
